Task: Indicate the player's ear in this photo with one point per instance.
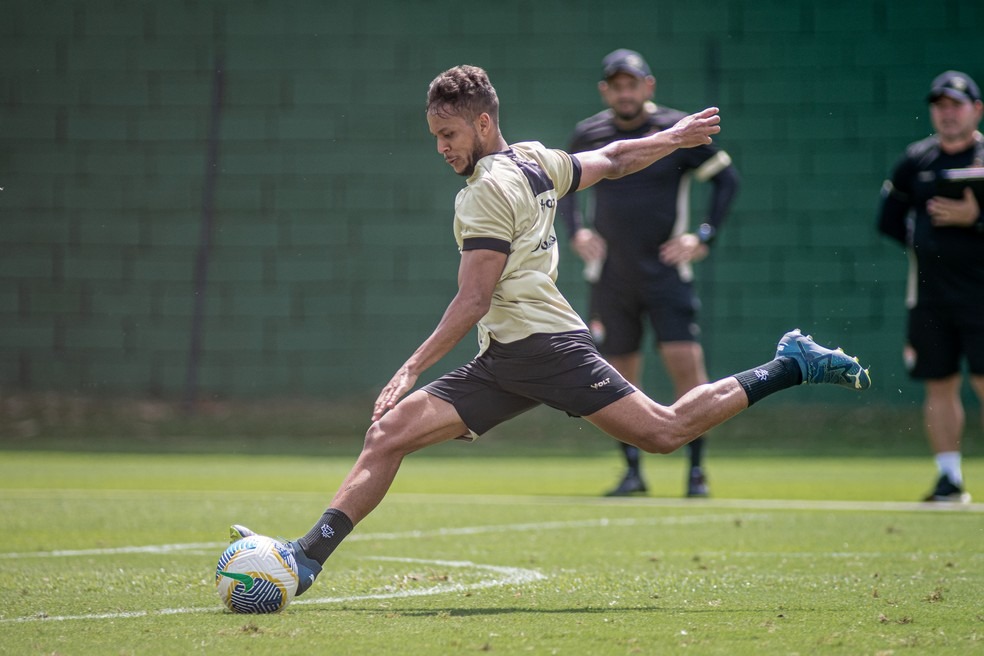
(484, 124)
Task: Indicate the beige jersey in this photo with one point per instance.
(509, 205)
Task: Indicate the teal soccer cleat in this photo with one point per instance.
(307, 568)
(819, 364)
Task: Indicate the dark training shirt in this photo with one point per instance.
(637, 213)
(950, 260)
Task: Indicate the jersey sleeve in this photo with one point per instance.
(562, 169)
(896, 201)
(484, 213)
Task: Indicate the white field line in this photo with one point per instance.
(507, 575)
(504, 575)
(551, 500)
(707, 504)
(404, 535)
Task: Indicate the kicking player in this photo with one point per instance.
(533, 347)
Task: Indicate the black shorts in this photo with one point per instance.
(941, 335)
(621, 310)
(563, 371)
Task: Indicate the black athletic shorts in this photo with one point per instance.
(563, 371)
(622, 310)
(941, 334)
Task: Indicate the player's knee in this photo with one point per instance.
(666, 434)
(378, 439)
(662, 434)
(659, 444)
(650, 441)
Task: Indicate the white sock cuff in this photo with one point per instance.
(948, 462)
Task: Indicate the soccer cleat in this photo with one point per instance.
(238, 532)
(697, 483)
(819, 364)
(307, 568)
(948, 492)
(631, 484)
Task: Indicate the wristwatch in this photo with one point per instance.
(706, 233)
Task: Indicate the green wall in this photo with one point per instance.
(331, 254)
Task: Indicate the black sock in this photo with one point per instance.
(327, 533)
(631, 457)
(769, 378)
(696, 448)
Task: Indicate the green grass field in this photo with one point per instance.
(114, 553)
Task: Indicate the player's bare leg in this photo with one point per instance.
(944, 416)
(654, 428)
(630, 366)
(944, 413)
(638, 420)
(418, 421)
(684, 362)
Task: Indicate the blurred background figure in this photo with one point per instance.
(945, 295)
(638, 245)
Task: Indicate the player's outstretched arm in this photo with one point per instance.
(621, 158)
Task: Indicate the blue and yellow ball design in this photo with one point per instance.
(256, 574)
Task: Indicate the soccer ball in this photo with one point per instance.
(256, 574)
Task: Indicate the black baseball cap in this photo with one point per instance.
(956, 85)
(624, 61)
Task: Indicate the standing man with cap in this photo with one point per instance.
(945, 296)
(640, 252)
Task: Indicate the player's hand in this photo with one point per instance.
(401, 383)
(959, 212)
(589, 245)
(682, 249)
(696, 129)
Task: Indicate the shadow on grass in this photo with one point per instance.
(589, 610)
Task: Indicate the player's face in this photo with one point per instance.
(627, 94)
(954, 120)
(458, 141)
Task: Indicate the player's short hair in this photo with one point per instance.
(463, 91)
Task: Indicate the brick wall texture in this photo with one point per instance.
(296, 131)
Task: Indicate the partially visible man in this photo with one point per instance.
(945, 296)
(640, 252)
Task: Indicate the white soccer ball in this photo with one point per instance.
(256, 574)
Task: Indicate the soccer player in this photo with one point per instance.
(534, 348)
(945, 238)
(643, 237)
